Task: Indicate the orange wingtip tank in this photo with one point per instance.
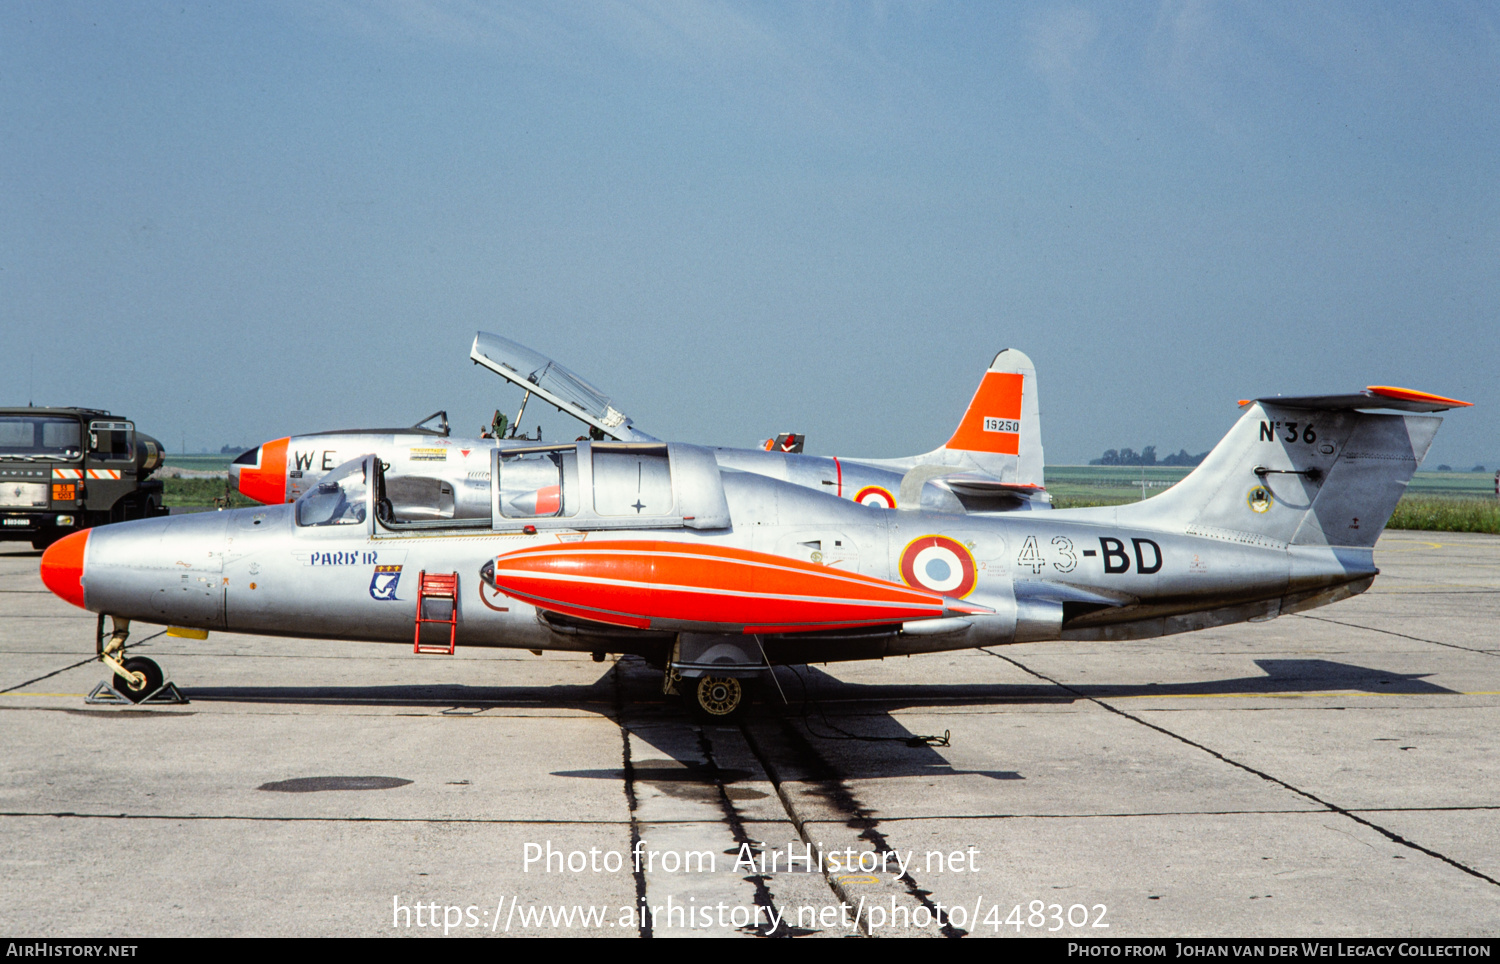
(1411, 395)
(675, 585)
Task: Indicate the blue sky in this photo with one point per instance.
(235, 221)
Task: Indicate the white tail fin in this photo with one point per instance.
(1314, 472)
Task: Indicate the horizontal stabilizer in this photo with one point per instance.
(1375, 396)
(979, 484)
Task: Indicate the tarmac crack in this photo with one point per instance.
(1332, 807)
(1126, 815)
(1391, 632)
(711, 778)
(628, 766)
(85, 662)
(763, 895)
(837, 793)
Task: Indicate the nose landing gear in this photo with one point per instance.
(137, 678)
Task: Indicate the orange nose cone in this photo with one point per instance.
(62, 567)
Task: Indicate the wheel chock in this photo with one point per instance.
(167, 694)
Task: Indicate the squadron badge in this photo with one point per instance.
(383, 583)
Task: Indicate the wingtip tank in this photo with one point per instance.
(685, 586)
(1412, 395)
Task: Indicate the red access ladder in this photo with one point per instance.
(437, 585)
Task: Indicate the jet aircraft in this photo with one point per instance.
(992, 462)
(715, 574)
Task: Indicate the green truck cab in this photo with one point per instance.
(65, 469)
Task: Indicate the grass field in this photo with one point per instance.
(186, 492)
(197, 492)
(1438, 514)
(199, 463)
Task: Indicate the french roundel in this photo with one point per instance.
(876, 496)
(939, 564)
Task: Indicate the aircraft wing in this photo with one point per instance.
(545, 378)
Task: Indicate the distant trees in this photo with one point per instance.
(1183, 458)
(1146, 456)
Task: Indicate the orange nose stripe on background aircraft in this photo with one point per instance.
(265, 482)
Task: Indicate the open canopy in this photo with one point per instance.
(540, 375)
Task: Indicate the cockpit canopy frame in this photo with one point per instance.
(607, 485)
(577, 485)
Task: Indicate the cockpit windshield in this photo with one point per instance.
(339, 499)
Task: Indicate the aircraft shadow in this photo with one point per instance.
(844, 727)
(1282, 677)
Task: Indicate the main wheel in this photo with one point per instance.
(717, 698)
(147, 668)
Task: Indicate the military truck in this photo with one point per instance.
(65, 469)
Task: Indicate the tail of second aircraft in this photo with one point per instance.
(1312, 471)
(1000, 434)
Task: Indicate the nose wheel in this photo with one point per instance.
(137, 679)
(145, 678)
(719, 699)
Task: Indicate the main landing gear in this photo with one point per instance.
(712, 699)
(717, 697)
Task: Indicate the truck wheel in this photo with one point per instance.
(147, 668)
(44, 540)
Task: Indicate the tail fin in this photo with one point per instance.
(1000, 433)
(1302, 471)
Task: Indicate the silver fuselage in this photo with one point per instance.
(1078, 574)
